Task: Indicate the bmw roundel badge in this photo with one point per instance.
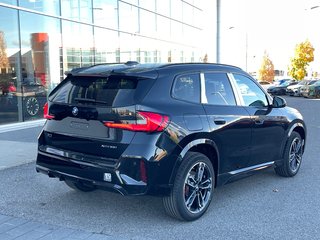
(75, 111)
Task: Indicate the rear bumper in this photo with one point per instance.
(111, 178)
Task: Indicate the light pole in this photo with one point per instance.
(246, 51)
(218, 38)
(246, 47)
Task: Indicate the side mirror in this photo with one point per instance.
(279, 102)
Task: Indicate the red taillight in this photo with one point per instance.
(146, 122)
(46, 114)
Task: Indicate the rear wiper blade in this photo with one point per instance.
(89, 100)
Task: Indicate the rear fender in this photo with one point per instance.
(184, 151)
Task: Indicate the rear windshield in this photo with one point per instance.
(115, 91)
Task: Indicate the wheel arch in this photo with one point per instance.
(204, 146)
(300, 128)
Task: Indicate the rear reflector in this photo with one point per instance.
(146, 122)
(143, 171)
(46, 114)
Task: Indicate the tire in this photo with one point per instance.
(79, 186)
(292, 156)
(191, 194)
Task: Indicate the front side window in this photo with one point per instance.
(251, 94)
(187, 88)
(218, 89)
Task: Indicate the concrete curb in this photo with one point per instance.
(21, 125)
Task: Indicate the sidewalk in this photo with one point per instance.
(18, 145)
(21, 229)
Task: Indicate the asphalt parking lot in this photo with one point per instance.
(264, 206)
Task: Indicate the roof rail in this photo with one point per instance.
(131, 63)
(201, 63)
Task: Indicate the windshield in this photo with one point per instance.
(312, 82)
(303, 82)
(285, 84)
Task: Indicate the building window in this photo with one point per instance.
(45, 6)
(38, 47)
(105, 13)
(77, 53)
(40, 54)
(10, 86)
(78, 10)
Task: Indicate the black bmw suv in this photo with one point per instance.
(173, 130)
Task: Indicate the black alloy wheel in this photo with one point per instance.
(193, 188)
(197, 187)
(292, 156)
(295, 154)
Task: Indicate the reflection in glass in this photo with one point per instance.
(163, 7)
(163, 28)
(147, 23)
(128, 18)
(106, 52)
(105, 13)
(176, 31)
(133, 2)
(9, 56)
(41, 43)
(78, 50)
(12, 2)
(129, 48)
(45, 6)
(148, 4)
(188, 13)
(176, 10)
(78, 10)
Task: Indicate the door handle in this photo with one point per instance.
(219, 121)
(259, 121)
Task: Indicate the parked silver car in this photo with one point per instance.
(294, 90)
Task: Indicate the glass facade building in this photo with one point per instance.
(41, 40)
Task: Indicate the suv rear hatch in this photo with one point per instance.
(94, 115)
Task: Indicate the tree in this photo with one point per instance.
(4, 62)
(302, 57)
(266, 71)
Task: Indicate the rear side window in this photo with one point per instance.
(218, 89)
(115, 91)
(187, 88)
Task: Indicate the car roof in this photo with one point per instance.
(148, 70)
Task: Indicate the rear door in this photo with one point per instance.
(82, 107)
(230, 123)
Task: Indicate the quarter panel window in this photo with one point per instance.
(218, 89)
(250, 92)
(187, 88)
